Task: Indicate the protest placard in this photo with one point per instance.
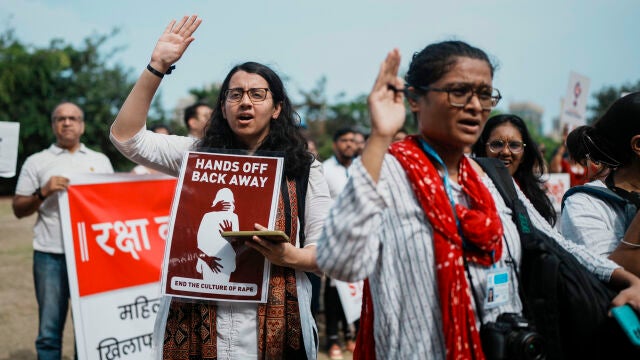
(114, 231)
(216, 193)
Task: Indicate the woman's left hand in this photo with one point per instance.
(285, 254)
(279, 253)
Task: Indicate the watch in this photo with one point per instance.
(38, 193)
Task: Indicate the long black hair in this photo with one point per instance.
(284, 131)
(528, 174)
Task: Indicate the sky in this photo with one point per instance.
(536, 44)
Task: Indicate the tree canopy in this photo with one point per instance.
(607, 96)
(33, 80)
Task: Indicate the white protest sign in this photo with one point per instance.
(574, 106)
(9, 136)
(351, 299)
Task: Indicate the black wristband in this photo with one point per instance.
(38, 193)
(158, 73)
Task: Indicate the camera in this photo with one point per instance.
(511, 337)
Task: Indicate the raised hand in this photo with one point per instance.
(386, 107)
(174, 41)
(386, 100)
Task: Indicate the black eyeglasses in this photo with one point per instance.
(256, 95)
(496, 146)
(460, 95)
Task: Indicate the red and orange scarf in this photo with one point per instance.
(481, 228)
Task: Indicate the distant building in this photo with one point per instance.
(529, 112)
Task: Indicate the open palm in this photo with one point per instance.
(174, 41)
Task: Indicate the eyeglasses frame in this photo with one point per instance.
(226, 95)
(507, 145)
(495, 98)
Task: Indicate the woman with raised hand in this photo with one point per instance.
(507, 138)
(252, 113)
(411, 207)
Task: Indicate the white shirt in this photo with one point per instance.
(37, 170)
(590, 221)
(236, 323)
(336, 175)
(380, 231)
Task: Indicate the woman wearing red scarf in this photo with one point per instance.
(415, 213)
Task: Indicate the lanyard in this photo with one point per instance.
(445, 179)
(447, 186)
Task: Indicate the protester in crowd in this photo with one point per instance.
(613, 142)
(394, 222)
(507, 138)
(336, 168)
(196, 118)
(542, 149)
(252, 113)
(143, 170)
(360, 139)
(42, 176)
(336, 172)
(561, 162)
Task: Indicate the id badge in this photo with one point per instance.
(498, 280)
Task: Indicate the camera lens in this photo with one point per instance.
(528, 345)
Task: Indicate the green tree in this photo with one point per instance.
(607, 96)
(33, 80)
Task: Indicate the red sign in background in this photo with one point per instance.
(119, 231)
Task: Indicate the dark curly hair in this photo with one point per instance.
(284, 132)
(528, 174)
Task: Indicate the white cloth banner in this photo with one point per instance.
(351, 298)
(114, 231)
(9, 136)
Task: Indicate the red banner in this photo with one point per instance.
(119, 229)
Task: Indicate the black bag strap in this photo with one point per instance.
(302, 183)
(601, 193)
(504, 183)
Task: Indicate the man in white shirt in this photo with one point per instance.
(42, 176)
